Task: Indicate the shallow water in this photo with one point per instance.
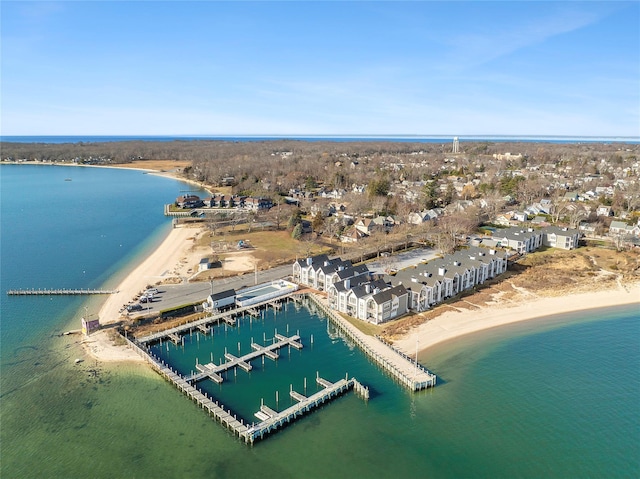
(547, 398)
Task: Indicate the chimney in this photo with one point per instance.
(492, 251)
(326, 262)
(414, 279)
(441, 271)
(309, 261)
(367, 288)
(347, 283)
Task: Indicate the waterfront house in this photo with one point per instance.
(189, 201)
(372, 301)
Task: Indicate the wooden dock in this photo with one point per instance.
(57, 292)
(227, 317)
(216, 410)
(271, 421)
(408, 372)
(213, 371)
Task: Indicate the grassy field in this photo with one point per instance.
(269, 248)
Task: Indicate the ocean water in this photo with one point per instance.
(339, 138)
(551, 398)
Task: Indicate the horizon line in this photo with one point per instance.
(323, 135)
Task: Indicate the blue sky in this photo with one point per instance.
(305, 68)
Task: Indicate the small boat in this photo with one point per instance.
(67, 179)
(78, 360)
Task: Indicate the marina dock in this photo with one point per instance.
(227, 317)
(408, 372)
(270, 420)
(213, 371)
(273, 420)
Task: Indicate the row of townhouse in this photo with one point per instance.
(528, 240)
(350, 289)
(431, 283)
(373, 301)
(235, 201)
(318, 272)
(224, 201)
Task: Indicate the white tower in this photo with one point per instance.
(456, 145)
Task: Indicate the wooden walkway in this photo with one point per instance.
(213, 371)
(59, 292)
(408, 372)
(227, 316)
(272, 420)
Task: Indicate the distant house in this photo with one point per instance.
(352, 235)
(604, 210)
(204, 264)
(623, 229)
(520, 216)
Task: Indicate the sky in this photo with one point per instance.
(300, 68)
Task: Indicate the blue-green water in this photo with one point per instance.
(550, 398)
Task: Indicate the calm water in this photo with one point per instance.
(554, 398)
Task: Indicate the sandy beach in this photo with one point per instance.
(170, 260)
(453, 324)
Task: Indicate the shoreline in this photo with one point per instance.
(452, 325)
(170, 259)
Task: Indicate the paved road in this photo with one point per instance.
(172, 295)
(188, 293)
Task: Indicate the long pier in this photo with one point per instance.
(59, 292)
(215, 409)
(409, 373)
(213, 371)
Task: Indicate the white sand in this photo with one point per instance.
(175, 258)
(172, 258)
(452, 324)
